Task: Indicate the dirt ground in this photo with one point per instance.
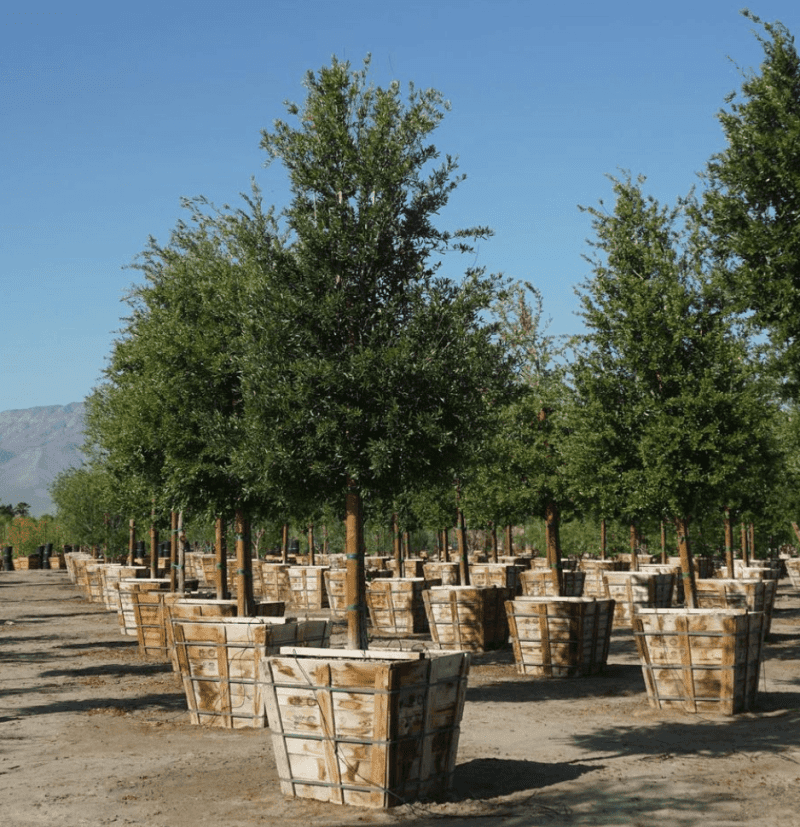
(92, 734)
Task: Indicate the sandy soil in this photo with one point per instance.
(92, 734)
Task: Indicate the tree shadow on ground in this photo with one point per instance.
(744, 734)
(491, 777)
(616, 680)
(115, 669)
(170, 702)
(635, 802)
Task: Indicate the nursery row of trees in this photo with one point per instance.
(315, 365)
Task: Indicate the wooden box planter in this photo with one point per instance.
(275, 580)
(700, 660)
(495, 574)
(703, 566)
(560, 637)
(307, 585)
(594, 585)
(793, 571)
(32, 561)
(412, 567)
(637, 589)
(470, 618)
(446, 573)
(94, 581)
(667, 568)
(544, 583)
(72, 560)
(752, 594)
(126, 587)
(370, 729)
(396, 606)
(218, 662)
(335, 584)
(111, 577)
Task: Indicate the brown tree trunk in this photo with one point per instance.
(181, 555)
(745, 558)
(687, 562)
(311, 556)
(603, 539)
(663, 543)
(244, 566)
(509, 543)
(633, 543)
(153, 546)
(173, 551)
(285, 544)
(752, 535)
(463, 552)
(220, 560)
(494, 543)
(397, 548)
(729, 544)
(355, 581)
(446, 544)
(553, 542)
(131, 541)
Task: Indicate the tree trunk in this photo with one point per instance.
(131, 541)
(729, 544)
(603, 540)
(355, 582)
(181, 555)
(397, 549)
(745, 558)
(285, 544)
(220, 560)
(752, 535)
(663, 543)
(634, 555)
(494, 543)
(244, 566)
(153, 546)
(509, 544)
(463, 552)
(687, 562)
(553, 542)
(173, 551)
(311, 556)
(446, 545)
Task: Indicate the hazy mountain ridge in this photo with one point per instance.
(36, 444)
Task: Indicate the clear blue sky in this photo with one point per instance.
(112, 112)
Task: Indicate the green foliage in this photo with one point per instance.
(671, 419)
(753, 199)
(369, 368)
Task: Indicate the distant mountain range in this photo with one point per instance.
(36, 444)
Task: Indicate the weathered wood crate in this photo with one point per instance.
(544, 583)
(703, 566)
(719, 593)
(275, 582)
(27, 563)
(632, 589)
(412, 566)
(307, 584)
(335, 584)
(594, 585)
(112, 575)
(793, 570)
(470, 618)
(495, 574)
(667, 568)
(700, 660)
(72, 560)
(218, 662)
(94, 581)
(560, 637)
(126, 587)
(370, 729)
(396, 606)
(446, 573)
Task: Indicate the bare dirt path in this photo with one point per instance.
(92, 734)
